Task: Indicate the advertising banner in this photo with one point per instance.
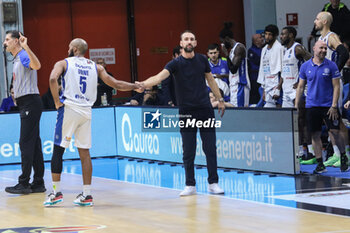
(102, 127)
(248, 139)
(251, 139)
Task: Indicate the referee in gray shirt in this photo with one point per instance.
(26, 93)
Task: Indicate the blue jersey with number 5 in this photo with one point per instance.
(79, 82)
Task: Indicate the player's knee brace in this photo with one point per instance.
(56, 160)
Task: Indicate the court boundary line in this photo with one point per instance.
(208, 194)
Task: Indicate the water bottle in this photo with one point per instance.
(104, 99)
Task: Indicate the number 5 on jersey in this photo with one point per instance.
(82, 84)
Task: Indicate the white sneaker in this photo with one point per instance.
(215, 189)
(189, 190)
(54, 199)
(84, 200)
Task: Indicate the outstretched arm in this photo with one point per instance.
(156, 79)
(117, 84)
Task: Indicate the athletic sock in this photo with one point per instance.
(336, 151)
(324, 154)
(311, 149)
(86, 190)
(56, 186)
(301, 152)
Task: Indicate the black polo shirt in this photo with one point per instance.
(189, 76)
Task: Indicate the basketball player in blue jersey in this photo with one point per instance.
(337, 53)
(237, 63)
(79, 88)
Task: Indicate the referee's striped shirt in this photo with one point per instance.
(25, 80)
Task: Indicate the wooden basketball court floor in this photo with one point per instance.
(142, 196)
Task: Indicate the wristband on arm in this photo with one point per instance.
(343, 56)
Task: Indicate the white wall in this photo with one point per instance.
(258, 13)
(307, 11)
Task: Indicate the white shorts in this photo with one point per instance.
(288, 100)
(69, 122)
(269, 101)
(270, 105)
(239, 95)
(288, 104)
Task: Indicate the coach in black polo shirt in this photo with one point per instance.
(190, 70)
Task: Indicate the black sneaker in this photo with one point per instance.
(19, 189)
(307, 156)
(320, 169)
(344, 167)
(37, 188)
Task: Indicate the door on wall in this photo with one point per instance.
(51, 25)
(158, 26)
(157, 30)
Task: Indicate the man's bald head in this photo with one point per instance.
(326, 17)
(320, 43)
(320, 49)
(80, 45)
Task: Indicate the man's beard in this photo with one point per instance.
(71, 54)
(270, 42)
(322, 55)
(227, 44)
(285, 42)
(318, 28)
(189, 49)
